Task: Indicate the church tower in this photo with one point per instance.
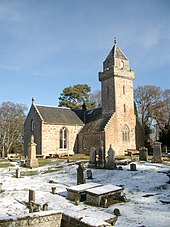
(116, 83)
(118, 100)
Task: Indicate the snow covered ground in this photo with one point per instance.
(144, 189)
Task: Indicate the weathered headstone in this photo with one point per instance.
(32, 161)
(132, 167)
(157, 153)
(45, 207)
(92, 161)
(89, 174)
(18, 173)
(1, 187)
(81, 179)
(143, 154)
(111, 164)
(101, 158)
(31, 196)
(53, 190)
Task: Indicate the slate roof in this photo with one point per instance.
(116, 52)
(94, 121)
(58, 115)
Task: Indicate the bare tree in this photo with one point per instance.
(151, 108)
(96, 98)
(12, 118)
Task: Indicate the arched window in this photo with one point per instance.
(32, 125)
(125, 134)
(63, 138)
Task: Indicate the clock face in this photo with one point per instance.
(121, 65)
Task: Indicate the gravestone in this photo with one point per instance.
(32, 161)
(157, 153)
(132, 167)
(18, 173)
(81, 179)
(31, 196)
(101, 158)
(1, 187)
(89, 174)
(92, 161)
(111, 164)
(143, 154)
(53, 190)
(45, 207)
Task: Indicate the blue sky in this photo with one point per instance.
(47, 45)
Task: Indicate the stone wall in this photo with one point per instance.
(39, 219)
(47, 136)
(37, 121)
(47, 219)
(51, 138)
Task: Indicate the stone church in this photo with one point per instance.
(63, 131)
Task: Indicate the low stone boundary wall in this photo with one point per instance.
(37, 219)
(46, 219)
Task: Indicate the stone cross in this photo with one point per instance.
(81, 179)
(111, 164)
(32, 161)
(143, 154)
(157, 153)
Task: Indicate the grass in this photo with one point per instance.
(5, 165)
(29, 173)
(52, 169)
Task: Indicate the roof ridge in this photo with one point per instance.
(58, 107)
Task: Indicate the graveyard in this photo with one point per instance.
(140, 191)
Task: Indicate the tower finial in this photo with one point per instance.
(115, 40)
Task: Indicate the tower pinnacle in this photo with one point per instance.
(115, 41)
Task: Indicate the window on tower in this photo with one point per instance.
(124, 89)
(124, 107)
(121, 65)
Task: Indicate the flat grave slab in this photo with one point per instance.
(78, 192)
(103, 195)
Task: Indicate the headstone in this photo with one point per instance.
(101, 158)
(37, 208)
(89, 174)
(111, 164)
(157, 153)
(31, 196)
(120, 168)
(117, 212)
(1, 187)
(92, 161)
(143, 154)
(45, 206)
(18, 173)
(32, 161)
(81, 179)
(132, 167)
(53, 190)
